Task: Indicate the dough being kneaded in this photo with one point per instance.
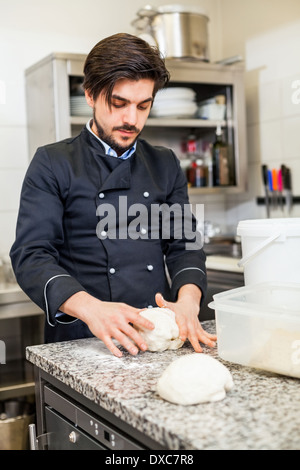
(194, 378)
(165, 335)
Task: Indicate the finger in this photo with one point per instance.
(142, 322)
(207, 338)
(195, 343)
(111, 346)
(136, 337)
(126, 343)
(183, 331)
(212, 337)
(196, 333)
(207, 341)
(160, 301)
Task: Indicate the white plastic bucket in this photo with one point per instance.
(270, 250)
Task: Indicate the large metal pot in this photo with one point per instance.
(177, 31)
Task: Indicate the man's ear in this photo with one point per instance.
(89, 98)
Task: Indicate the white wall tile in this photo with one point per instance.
(290, 136)
(13, 147)
(8, 221)
(271, 141)
(270, 100)
(291, 96)
(253, 143)
(252, 105)
(10, 184)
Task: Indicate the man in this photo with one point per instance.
(87, 281)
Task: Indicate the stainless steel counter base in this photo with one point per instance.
(11, 293)
(67, 420)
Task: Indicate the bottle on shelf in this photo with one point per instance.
(191, 145)
(208, 164)
(200, 174)
(196, 172)
(191, 151)
(221, 170)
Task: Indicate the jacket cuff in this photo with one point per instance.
(56, 291)
(191, 275)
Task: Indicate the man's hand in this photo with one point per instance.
(108, 320)
(186, 311)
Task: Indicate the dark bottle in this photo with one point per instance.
(200, 174)
(220, 160)
(191, 173)
(191, 148)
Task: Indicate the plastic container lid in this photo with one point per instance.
(255, 298)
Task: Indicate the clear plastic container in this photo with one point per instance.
(259, 326)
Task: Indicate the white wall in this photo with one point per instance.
(267, 34)
(29, 31)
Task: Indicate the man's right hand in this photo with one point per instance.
(108, 321)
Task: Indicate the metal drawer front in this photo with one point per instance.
(62, 435)
(92, 425)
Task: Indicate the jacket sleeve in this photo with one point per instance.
(185, 257)
(39, 234)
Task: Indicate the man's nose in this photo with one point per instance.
(130, 115)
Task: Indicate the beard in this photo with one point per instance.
(109, 140)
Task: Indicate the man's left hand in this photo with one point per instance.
(186, 310)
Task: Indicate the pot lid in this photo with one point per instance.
(181, 9)
(149, 11)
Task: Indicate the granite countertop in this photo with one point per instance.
(262, 411)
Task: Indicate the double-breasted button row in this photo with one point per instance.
(104, 233)
(102, 195)
(149, 267)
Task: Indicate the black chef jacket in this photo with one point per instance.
(57, 251)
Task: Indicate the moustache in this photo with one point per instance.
(127, 127)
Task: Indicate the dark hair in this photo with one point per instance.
(122, 56)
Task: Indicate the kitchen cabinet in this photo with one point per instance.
(21, 325)
(53, 82)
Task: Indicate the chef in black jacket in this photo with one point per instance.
(83, 253)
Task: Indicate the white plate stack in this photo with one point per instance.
(177, 102)
(79, 106)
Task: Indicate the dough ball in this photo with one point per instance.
(194, 378)
(165, 335)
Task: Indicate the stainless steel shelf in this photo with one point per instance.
(164, 122)
(214, 190)
(180, 122)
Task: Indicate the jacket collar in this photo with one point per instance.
(120, 175)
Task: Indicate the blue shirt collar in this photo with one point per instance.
(109, 150)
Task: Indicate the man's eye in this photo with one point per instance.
(143, 107)
(118, 105)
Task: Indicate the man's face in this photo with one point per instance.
(120, 124)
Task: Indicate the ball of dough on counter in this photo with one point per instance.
(194, 378)
(165, 335)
